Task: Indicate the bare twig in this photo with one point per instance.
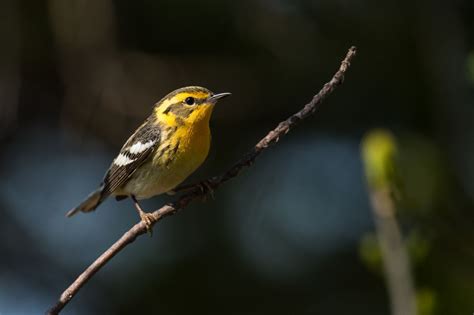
(271, 138)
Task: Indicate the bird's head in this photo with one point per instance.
(187, 106)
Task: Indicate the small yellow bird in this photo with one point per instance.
(170, 145)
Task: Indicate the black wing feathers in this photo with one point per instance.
(133, 154)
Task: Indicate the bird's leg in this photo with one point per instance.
(146, 217)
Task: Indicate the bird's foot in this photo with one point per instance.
(149, 220)
(206, 188)
(146, 217)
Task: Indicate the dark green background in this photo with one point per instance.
(77, 77)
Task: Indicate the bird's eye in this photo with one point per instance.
(190, 100)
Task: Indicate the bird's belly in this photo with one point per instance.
(166, 171)
(150, 180)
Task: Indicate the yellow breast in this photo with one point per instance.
(182, 150)
(188, 148)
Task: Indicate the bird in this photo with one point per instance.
(168, 147)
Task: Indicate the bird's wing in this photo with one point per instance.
(133, 154)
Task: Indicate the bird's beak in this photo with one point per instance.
(214, 98)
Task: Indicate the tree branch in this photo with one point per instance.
(213, 183)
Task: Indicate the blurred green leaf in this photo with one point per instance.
(418, 247)
(379, 150)
(422, 173)
(426, 301)
(369, 252)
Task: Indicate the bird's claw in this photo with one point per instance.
(149, 220)
(205, 187)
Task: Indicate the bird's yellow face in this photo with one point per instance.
(187, 106)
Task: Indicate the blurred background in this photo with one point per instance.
(294, 234)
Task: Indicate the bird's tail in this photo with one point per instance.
(90, 203)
